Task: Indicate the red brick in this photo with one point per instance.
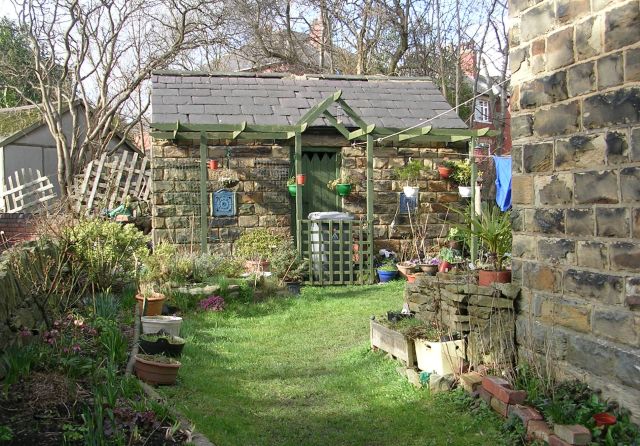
(493, 384)
(554, 440)
(486, 396)
(510, 396)
(525, 413)
(538, 430)
(574, 434)
(499, 406)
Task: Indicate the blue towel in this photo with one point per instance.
(503, 181)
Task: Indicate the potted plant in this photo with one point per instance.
(430, 266)
(149, 301)
(493, 229)
(387, 271)
(156, 369)
(437, 352)
(256, 247)
(410, 173)
(341, 185)
(291, 185)
(447, 258)
(161, 343)
(405, 268)
(461, 175)
(446, 168)
(166, 324)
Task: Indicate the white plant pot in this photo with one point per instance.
(153, 324)
(464, 191)
(441, 358)
(409, 191)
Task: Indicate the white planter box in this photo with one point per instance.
(441, 358)
(153, 324)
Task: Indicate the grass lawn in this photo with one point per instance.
(299, 372)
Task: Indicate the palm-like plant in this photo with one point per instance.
(492, 227)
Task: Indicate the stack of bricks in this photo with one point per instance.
(576, 202)
(503, 399)
(484, 314)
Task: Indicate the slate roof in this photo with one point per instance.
(263, 98)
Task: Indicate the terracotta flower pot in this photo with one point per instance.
(300, 179)
(486, 278)
(444, 267)
(411, 278)
(444, 171)
(154, 304)
(405, 268)
(213, 164)
(156, 373)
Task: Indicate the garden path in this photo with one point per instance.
(299, 372)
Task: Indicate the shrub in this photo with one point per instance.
(107, 252)
(212, 303)
(258, 243)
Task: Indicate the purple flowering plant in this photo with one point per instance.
(212, 303)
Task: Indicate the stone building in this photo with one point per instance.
(248, 123)
(576, 187)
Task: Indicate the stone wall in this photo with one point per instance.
(175, 190)
(484, 314)
(576, 187)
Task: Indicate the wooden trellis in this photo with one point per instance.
(107, 181)
(27, 191)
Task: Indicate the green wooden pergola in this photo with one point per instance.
(364, 133)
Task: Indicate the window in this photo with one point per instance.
(482, 111)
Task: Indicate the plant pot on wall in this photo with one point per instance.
(343, 189)
(410, 191)
(444, 267)
(444, 171)
(293, 189)
(386, 275)
(486, 278)
(464, 191)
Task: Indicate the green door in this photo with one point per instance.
(320, 167)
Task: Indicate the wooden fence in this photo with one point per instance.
(27, 191)
(107, 181)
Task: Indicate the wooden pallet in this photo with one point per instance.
(107, 181)
(27, 191)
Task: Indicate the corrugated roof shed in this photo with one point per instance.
(276, 99)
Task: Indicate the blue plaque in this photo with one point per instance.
(224, 203)
(408, 204)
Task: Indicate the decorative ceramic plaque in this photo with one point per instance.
(224, 203)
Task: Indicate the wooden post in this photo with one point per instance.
(204, 208)
(370, 203)
(472, 204)
(297, 157)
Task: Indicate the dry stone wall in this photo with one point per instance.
(576, 187)
(266, 203)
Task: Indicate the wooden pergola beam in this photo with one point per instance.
(315, 111)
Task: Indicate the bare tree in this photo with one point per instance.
(91, 58)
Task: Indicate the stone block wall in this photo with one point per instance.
(484, 314)
(576, 187)
(176, 199)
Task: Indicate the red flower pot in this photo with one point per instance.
(213, 164)
(444, 171)
(444, 267)
(411, 278)
(486, 278)
(300, 179)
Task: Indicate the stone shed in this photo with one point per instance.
(263, 129)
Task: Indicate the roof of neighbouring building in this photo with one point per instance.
(17, 119)
(282, 99)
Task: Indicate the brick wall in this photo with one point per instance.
(262, 203)
(14, 228)
(576, 187)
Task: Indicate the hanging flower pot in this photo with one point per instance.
(300, 179)
(409, 191)
(444, 267)
(213, 164)
(292, 189)
(343, 189)
(464, 191)
(444, 171)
